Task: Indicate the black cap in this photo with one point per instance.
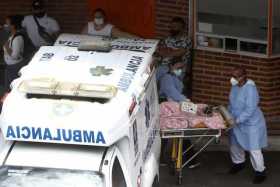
(38, 4)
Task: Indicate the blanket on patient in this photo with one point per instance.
(171, 117)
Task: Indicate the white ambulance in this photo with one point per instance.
(83, 119)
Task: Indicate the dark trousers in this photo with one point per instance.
(11, 73)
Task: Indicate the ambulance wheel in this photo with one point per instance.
(156, 182)
(179, 178)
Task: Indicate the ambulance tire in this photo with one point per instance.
(156, 182)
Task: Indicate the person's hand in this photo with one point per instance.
(6, 45)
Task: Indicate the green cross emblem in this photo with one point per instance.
(100, 70)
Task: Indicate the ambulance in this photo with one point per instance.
(83, 118)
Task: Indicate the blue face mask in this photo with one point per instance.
(178, 72)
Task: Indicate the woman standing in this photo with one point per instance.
(13, 50)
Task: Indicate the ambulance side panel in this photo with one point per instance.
(148, 126)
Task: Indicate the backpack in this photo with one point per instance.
(29, 48)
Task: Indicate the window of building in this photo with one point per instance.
(239, 26)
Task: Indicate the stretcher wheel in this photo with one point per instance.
(217, 140)
(179, 178)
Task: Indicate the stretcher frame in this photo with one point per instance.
(178, 135)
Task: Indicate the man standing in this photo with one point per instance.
(41, 29)
(176, 46)
(250, 133)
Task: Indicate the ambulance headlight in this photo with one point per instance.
(53, 87)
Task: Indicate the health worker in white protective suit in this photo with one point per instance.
(249, 133)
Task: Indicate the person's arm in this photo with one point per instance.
(121, 34)
(176, 52)
(171, 52)
(169, 90)
(16, 51)
(252, 100)
(85, 29)
(53, 28)
(23, 23)
(7, 49)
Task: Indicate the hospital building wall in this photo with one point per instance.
(211, 74)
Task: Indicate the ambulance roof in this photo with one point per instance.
(144, 45)
(70, 65)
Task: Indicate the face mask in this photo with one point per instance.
(178, 72)
(7, 28)
(233, 81)
(40, 14)
(99, 21)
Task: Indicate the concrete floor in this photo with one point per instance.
(213, 172)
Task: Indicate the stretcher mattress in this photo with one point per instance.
(171, 117)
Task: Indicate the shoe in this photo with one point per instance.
(236, 168)
(259, 177)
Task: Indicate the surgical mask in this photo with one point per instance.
(178, 72)
(99, 21)
(233, 81)
(7, 28)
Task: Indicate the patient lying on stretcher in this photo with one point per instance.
(172, 117)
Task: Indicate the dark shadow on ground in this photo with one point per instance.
(213, 172)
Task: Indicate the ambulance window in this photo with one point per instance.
(11, 176)
(118, 179)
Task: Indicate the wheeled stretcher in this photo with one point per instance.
(177, 126)
(202, 136)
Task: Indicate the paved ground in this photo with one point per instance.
(213, 173)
